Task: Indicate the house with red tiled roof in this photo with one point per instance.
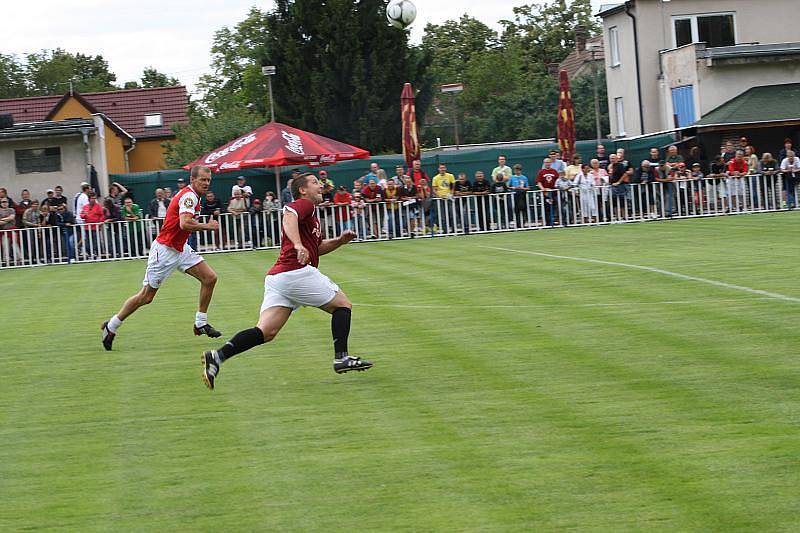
(587, 55)
(136, 121)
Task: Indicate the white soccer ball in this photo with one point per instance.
(401, 13)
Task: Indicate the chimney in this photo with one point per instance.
(580, 37)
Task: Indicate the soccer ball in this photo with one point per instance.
(401, 13)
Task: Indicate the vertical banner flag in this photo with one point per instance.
(566, 119)
(409, 122)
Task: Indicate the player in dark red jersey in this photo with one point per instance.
(293, 282)
(169, 252)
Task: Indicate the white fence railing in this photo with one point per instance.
(512, 211)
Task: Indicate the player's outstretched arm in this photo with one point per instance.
(329, 245)
(188, 223)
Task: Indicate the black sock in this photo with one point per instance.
(242, 341)
(340, 327)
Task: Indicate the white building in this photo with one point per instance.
(669, 63)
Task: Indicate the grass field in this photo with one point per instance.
(510, 391)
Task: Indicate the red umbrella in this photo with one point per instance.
(409, 117)
(566, 119)
(277, 145)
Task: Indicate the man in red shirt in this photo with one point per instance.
(737, 169)
(546, 180)
(295, 281)
(170, 251)
(342, 200)
(417, 173)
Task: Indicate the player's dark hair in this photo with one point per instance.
(299, 181)
(197, 169)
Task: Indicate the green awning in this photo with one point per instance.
(768, 103)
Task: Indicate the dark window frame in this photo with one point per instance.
(36, 160)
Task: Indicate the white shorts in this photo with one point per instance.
(305, 286)
(164, 260)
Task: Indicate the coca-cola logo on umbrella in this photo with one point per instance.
(293, 142)
(235, 145)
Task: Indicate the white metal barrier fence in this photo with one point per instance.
(473, 213)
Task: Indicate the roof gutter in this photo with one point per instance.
(638, 73)
(129, 150)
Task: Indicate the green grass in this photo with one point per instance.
(510, 391)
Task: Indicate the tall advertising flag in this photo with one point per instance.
(409, 120)
(566, 119)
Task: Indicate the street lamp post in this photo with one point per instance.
(592, 48)
(454, 89)
(269, 71)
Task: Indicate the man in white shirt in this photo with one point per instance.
(80, 200)
(790, 169)
(241, 185)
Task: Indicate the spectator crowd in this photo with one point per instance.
(408, 202)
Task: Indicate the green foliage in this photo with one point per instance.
(12, 77)
(208, 130)
(509, 93)
(340, 69)
(49, 72)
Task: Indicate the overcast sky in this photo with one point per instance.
(174, 36)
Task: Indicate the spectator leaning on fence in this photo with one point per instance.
(502, 168)
(23, 204)
(737, 168)
(461, 190)
(585, 184)
(546, 180)
(80, 201)
(417, 173)
(574, 167)
(158, 205)
(790, 167)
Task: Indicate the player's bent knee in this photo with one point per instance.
(211, 278)
(269, 333)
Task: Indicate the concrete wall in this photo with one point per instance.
(753, 22)
(73, 167)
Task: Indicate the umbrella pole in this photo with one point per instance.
(278, 182)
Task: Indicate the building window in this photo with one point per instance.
(613, 43)
(620, 109)
(153, 121)
(715, 29)
(38, 160)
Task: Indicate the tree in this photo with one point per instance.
(207, 131)
(12, 77)
(153, 78)
(340, 69)
(453, 43)
(509, 92)
(546, 31)
(50, 71)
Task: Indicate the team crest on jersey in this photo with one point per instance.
(188, 202)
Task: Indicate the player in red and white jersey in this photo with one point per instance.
(169, 252)
(293, 282)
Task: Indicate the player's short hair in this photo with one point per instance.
(300, 181)
(197, 169)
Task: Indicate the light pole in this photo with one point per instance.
(269, 71)
(454, 88)
(592, 48)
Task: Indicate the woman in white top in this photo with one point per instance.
(602, 191)
(586, 185)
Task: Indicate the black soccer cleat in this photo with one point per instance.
(350, 363)
(206, 330)
(210, 369)
(108, 336)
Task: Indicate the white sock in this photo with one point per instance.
(200, 319)
(114, 323)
